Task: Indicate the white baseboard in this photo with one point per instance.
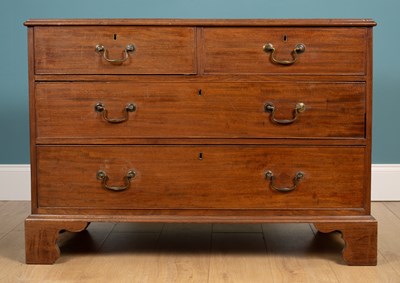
(15, 182)
(385, 183)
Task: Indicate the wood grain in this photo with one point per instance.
(388, 215)
(32, 115)
(223, 110)
(203, 22)
(173, 177)
(175, 122)
(328, 51)
(213, 78)
(41, 237)
(71, 50)
(12, 213)
(292, 252)
(183, 253)
(360, 238)
(239, 257)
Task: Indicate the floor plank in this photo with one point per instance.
(12, 256)
(188, 228)
(12, 214)
(78, 250)
(138, 227)
(239, 257)
(295, 254)
(235, 228)
(366, 274)
(383, 272)
(125, 257)
(388, 232)
(88, 241)
(184, 253)
(109, 252)
(394, 207)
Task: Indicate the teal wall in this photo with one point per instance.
(14, 131)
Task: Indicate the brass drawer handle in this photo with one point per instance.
(296, 180)
(101, 108)
(270, 108)
(102, 176)
(298, 49)
(102, 49)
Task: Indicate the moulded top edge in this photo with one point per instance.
(201, 22)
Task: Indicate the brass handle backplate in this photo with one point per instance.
(270, 108)
(298, 49)
(102, 176)
(101, 108)
(296, 180)
(102, 49)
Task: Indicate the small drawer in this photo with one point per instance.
(200, 110)
(114, 50)
(340, 51)
(201, 177)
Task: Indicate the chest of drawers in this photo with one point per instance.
(235, 121)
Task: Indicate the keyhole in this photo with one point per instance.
(115, 36)
(200, 156)
(200, 92)
(285, 38)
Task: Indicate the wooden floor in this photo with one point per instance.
(124, 252)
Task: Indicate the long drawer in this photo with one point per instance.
(200, 177)
(272, 50)
(115, 50)
(200, 110)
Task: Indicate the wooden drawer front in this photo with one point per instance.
(226, 177)
(327, 50)
(223, 110)
(71, 50)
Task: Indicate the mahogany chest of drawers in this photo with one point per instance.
(238, 121)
